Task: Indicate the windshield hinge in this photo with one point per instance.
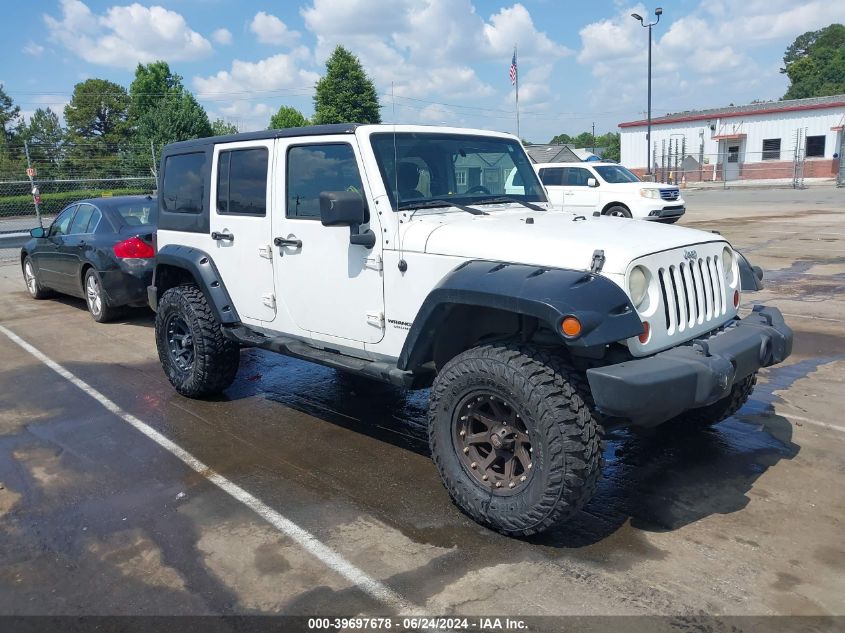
(269, 300)
(376, 318)
(598, 261)
(265, 251)
(375, 262)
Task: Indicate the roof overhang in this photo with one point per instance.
(722, 137)
(685, 118)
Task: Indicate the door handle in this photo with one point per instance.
(281, 241)
(225, 236)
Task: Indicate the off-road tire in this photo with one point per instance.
(559, 415)
(215, 358)
(92, 283)
(33, 286)
(617, 210)
(721, 409)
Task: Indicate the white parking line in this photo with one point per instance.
(308, 541)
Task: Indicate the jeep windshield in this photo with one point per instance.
(422, 169)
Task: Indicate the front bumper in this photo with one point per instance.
(668, 212)
(648, 391)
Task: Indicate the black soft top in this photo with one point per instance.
(311, 130)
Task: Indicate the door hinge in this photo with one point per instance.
(265, 251)
(375, 262)
(269, 300)
(376, 318)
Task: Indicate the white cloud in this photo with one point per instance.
(271, 30)
(33, 49)
(125, 35)
(222, 36)
(277, 73)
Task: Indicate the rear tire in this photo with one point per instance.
(96, 299)
(542, 412)
(618, 211)
(197, 359)
(30, 277)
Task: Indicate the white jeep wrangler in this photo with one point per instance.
(393, 252)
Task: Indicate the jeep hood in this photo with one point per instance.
(554, 239)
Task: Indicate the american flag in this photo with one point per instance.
(513, 68)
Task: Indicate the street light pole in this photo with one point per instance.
(658, 12)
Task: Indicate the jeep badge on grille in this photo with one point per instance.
(690, 255)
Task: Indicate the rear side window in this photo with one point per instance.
(242, 181)
(552, 176)
(141, 213)
(182, 190)
(81, 219)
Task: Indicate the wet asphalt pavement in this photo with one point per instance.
(95, 518)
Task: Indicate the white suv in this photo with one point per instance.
(609, 189)
(396, 253)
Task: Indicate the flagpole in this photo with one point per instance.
(517, 94)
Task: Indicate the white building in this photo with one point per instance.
(758, 141)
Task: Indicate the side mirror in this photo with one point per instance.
(342, 208)
(347, 208)
(592, 182)
(38, 232)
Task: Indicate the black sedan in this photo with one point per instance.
(100, 250)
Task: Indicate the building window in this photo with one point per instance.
(815, 146)
(771, 149)
(461, 177)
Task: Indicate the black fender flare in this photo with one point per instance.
(750, 277)
(201, 267)
(549, 294)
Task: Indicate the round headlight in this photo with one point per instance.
(638, 285)
(729, 264)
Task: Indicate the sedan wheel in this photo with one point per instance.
(94, 296)
(32, 285)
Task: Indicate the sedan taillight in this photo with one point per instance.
(134, 248)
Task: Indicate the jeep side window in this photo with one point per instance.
(242, 181)
(182, 190)
(312, 169)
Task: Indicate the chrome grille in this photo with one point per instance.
(693, 293)
(670, 194)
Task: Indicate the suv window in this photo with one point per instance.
(576, 177)
(182, 191)
(312, 169)
(552, 176)
(81, 219)
(60, 224)
(242, 181)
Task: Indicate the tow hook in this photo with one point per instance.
(598, 261)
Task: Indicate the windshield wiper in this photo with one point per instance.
(509, 199)
(431, 204)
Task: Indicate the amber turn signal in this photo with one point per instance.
(571, 327)
(643, 338)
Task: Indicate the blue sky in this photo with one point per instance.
(446, 61)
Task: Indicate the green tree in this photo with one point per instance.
(10, 158)
(45, 136)
(287, 117)
(97, 127)
(219, 127)
(176, 118)
(345, 94)
(153, 83)
(561, 139)
(815, 63)
(611, 143)
(9, 113)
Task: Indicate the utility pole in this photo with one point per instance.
(594, 137)
(36, 194)
(658, 12)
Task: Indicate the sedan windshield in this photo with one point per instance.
(615, 174)
(420, 169)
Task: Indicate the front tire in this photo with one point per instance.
(36, 290)
(618, 211)
(197, 359)
(515, 437)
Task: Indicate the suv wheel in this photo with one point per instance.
(719, 410)
(36, 291)
(95, 297)
(618, 211)
(515, 437)
(197, 358)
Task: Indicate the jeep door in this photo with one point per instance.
(331, 289)
(240, 222)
